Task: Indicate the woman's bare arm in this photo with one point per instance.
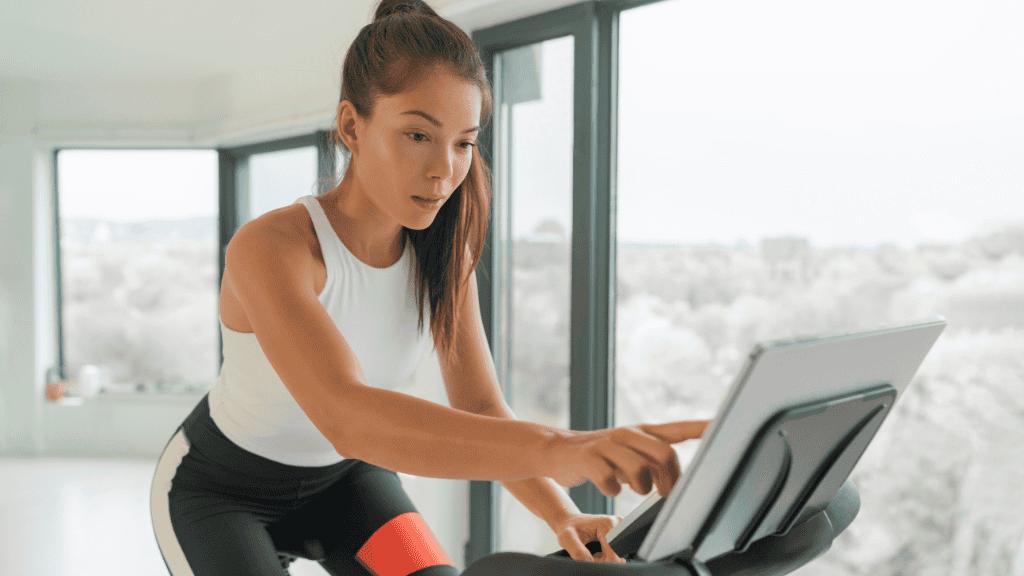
(415, 436)
(272, 277)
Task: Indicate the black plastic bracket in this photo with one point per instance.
(794, 467)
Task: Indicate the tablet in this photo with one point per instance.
(776, 375)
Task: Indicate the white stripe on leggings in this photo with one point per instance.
(160, 509)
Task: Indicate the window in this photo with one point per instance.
(279, 178)
(139, 269)
(797, 167)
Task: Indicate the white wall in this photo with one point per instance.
(19, 350)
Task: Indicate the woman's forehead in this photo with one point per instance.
(449, 107)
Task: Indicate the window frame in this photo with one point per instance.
(233, 176)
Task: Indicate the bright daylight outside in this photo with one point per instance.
(793, 168)
(784, 168)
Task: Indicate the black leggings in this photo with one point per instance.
(218, 509)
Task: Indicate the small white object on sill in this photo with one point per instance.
(89, 381)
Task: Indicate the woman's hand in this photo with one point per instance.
(639, 455)
(575, 530)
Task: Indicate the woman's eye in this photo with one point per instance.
(465, 145)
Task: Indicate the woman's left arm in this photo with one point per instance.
(472, 386)
(546, 499)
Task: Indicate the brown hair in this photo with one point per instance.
(405, 40)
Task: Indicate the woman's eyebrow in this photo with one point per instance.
(435, 122)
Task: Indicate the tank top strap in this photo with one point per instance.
(324, 232)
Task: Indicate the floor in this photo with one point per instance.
(82, 517)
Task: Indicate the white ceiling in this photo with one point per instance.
(190, 69)
(185, 40)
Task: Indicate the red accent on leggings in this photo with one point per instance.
(402, 546)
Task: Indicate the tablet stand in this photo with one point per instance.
(786, 501)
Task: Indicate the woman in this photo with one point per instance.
(301, 435)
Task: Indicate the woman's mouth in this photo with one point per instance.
(428, 204)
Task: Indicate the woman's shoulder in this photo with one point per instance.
(291, 222)
(287, 227)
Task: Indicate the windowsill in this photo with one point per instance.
(70, 401)
(131, 398)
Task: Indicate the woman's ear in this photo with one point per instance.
(347, 122)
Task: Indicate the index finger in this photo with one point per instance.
(674, 432)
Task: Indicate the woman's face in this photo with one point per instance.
(402, 154)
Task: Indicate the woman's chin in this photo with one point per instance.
(421, 223)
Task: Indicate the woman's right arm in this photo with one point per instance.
(272, 277)
(271, 274)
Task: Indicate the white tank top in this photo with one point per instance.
(375, 310)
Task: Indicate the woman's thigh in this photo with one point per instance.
(205, 524)
(226, 542)
(368, 526)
